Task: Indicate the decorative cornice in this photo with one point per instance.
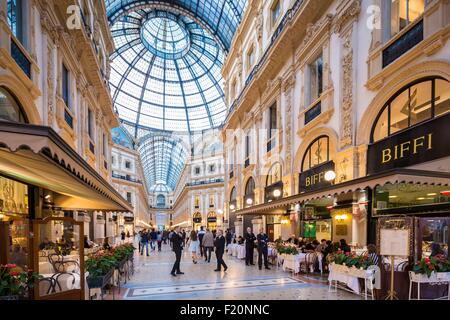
(347, 15)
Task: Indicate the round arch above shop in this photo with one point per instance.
(402, 79)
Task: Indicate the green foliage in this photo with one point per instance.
(438, 263)
(282, 249)
(102, 262)
(350, 259)
(14, 282)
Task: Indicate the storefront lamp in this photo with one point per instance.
(232, 207)
(249, 201)
(330, 175)
(284, 221)
(2, 216)
(341, 217)
(220, 211)
(276, 193)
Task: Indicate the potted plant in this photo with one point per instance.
(433, 268)
(100, 267)
(14, 283)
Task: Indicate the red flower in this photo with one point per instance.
(11, 266)
(14, 273)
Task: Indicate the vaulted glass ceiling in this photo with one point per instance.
(166, 73)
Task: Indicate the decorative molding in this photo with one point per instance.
(347, 15)
(346, 136)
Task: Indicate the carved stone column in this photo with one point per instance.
(288, 86)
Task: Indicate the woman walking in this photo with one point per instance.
(194, 246)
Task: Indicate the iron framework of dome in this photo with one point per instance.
(166, 73)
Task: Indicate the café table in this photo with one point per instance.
(292, 262)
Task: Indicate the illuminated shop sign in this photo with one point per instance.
(426, 142)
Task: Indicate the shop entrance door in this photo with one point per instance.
(271, 232)
(59, 258)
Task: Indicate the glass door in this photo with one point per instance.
(59, 244)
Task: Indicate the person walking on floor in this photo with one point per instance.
(177, 247)
(159, 240)
(219, 243)
(262, 240)
(208, 245)
(200, 236)
(228, 237)
(249, 246)
(193, 247)
(144, 242)
(122, 235)
(153, 238)
(139, 236)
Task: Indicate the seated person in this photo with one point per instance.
(87, 244)
(311, 246)
(436, 249)
(240, 240)
(19, 257)
(374, 258)
(46, 245)
(301, 242)
(344, 246)
(106, 245)
(293, 240)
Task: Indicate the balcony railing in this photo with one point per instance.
(197, 183)
(313, 112)
(68, 118)
(91, 147)
(127, 178)
(403, 44)
(20, 58)
(290, 14)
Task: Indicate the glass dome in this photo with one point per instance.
(166, 73)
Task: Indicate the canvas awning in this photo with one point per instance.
(38, 156)
(393, 176)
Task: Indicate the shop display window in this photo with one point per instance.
(403, 195)
(434, 237)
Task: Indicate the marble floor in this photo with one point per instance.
(152, 281)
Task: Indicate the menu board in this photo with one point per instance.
(394, 242)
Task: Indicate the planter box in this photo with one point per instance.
(99, 282)
(434, 277)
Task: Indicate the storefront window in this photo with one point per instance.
(406, 195)
(9, 108)
(403, 12)
(317, 153)
(442, 97)
(274, 174)
(417, 103)
(434, 235)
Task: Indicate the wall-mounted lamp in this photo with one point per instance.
(2, 216)
(330, 175)
(232, 207)
(340, 217)
(276, 193)
(284, 220)
(249, 201)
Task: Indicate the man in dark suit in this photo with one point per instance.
(263, 240)
(219, 243)
(177, 247)
(249, 246)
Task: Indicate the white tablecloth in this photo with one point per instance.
(236, 250)
(349, 277)
(292, 262)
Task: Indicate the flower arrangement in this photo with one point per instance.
(350, 259)
(438, 263)
(14, 282)
(102, 262)
(282, 249)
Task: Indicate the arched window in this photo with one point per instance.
(10, 110)
(233, 194)
(274, 175)
(420, 101)
(250, 186)
(318, 152)
(160, 201)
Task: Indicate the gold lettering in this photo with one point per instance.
(386, 155)
(415, 144)
(403, 148)
(430, 141)
(321, 176)
(308, 181)
(395, 152)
